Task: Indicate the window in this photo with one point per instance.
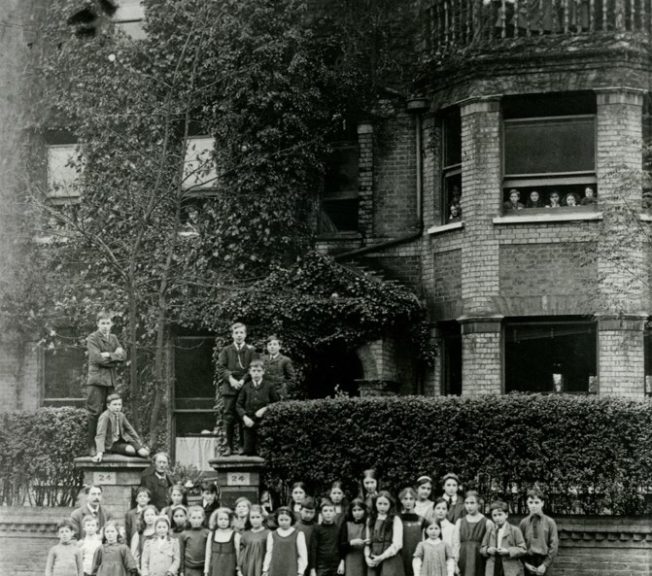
(339, 199)
(451, 358)
(452, 166)
(63, 370)
(549, 152)
(129, 17)
(64, 165)
(550, 355)
(199, 171)
(194, 388)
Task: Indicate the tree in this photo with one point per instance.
(270, 81)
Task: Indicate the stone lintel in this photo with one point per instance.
(619, 95)
(621, 322)
(113, 462)
(480, 325)
(480, 104)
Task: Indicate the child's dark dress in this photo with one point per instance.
(285, 558)
(381, 540)
(223, 558)
(113, 560)
(471, 563)
(252, 552)
(412, 535)
(354, 563)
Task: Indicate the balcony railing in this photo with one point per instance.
(455, 24)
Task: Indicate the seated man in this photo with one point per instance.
(115, 433)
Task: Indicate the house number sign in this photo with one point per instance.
(238, 479)
(104, 478)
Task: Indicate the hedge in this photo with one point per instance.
(590, 455)
(36, 456)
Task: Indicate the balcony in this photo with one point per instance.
(452, 26)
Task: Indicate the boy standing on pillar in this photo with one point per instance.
(233, 364)
(104, 354)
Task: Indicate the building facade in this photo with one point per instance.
(512, 196)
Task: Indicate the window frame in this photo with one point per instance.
(453, 171)
(553, 322)
(58, 401)
(548, 180)
(51, 194)
(209, 182)
(351, 195)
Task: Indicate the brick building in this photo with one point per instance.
(524, 297)
(513, 97)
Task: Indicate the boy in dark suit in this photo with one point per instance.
(253, 399)
(233, 364)
(115, 434)
(104, 354)
(278, 367)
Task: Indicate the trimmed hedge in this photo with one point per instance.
(590, 455)
(36, 456)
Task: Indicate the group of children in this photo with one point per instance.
(248, 384)
(371, 535)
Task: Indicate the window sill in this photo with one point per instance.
(439, 229)
(645, 217)
(549, 217)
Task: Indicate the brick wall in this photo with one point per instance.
(395, 176)
(481, 356)
(444, 297)
(26, 535)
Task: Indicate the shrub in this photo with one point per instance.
(36, 456)
(590, 455)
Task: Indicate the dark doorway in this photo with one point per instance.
(451, 358)
(333, 370)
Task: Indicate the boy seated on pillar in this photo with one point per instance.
(254, 398)
(104, 355)
(115, 434)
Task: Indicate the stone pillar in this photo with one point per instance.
(238, 476)
(117, 475)
(621, 356)
(481, 355)
(481, 202)
(366, 179)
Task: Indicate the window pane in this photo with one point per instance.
(193, 367)
(452, 138)
(62, 178)
(339, 215)
(536, 351)
(341, 178)
(550, 146)
(63, 371)
(199, 172)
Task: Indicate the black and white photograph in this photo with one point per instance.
(326, 288)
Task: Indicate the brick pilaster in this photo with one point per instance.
(621, 356)
(366, 179)
(481, 356)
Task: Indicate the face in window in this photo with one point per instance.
(534, 198)
(554, 200)
(514, 196)
(571, 200)
(588, 192)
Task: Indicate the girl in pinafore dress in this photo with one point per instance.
(413, 526)
(253, 544)
(286, 553)
(241, 515)
(468, 536)
(352, 540)
(161, 555)
(385, 536)
(113, 558)
(433, 557)
(369, 487)
(222, 546)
